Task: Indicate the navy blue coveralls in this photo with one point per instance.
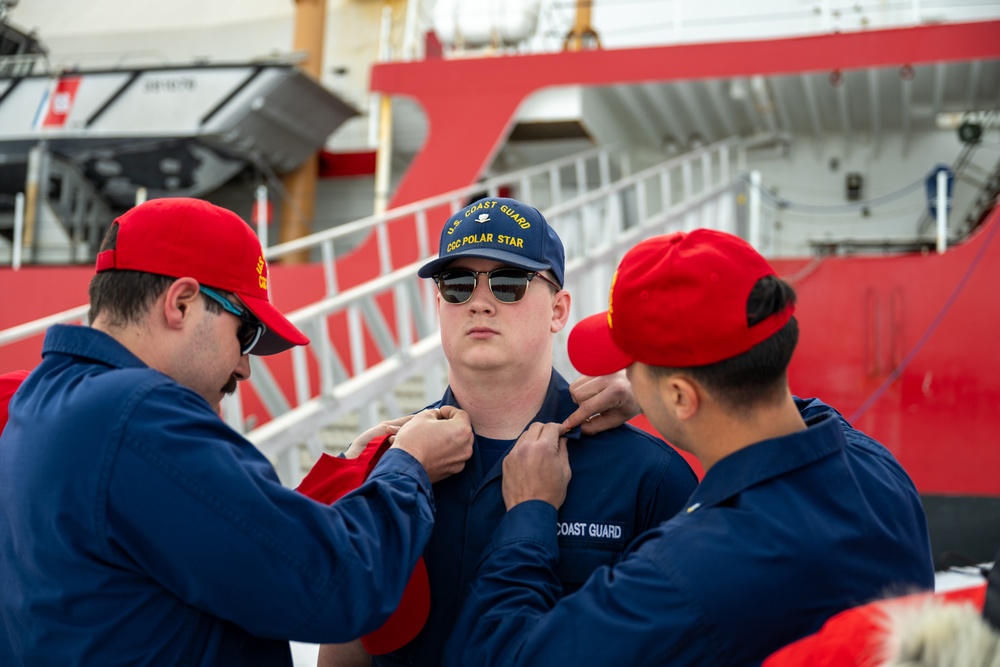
(777, 538)
(625, 481)
(137, 528)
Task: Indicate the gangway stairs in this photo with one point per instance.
(71, 216)
(597, 203)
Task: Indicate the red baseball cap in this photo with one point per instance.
(181, 237)
(677, 300)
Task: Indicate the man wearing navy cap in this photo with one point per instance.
(500, 275)
(136, 527)
(798, 516)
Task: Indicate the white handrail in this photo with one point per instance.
(597, 223)
(592, 253)
(35, 327)
(352, 229)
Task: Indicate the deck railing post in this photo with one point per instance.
(260, 201)
(18, 230)
(754, 213)
(942, 210)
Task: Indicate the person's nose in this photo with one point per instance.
(242, 371)
(482, 300)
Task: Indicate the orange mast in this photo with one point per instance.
(582, 35)
(299, 206)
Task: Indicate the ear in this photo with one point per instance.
(179, 300)
(682, 396)
(560, 311)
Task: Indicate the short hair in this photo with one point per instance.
(758, 376)
(124, 296)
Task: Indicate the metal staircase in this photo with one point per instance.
(600, 209)
(69, 219)
(100, 140)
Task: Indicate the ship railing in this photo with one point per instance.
(598, 221)
(373, 337)
(23, 64)
(480, 29)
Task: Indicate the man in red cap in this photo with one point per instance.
(797, 517)
(136, 527)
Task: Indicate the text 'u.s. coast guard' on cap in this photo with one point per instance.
(504, 230)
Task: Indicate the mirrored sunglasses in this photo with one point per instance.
(508, 285)
(251, 328)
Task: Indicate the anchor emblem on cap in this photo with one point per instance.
(483, 217)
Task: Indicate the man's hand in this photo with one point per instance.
(351, 654)
(537, 468)
(440, 438)
(605, 402)
(391, 427)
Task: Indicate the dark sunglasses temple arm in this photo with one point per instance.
(554, 286)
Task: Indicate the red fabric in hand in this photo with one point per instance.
(9, 382)
(329, 480)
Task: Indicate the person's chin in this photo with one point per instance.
(486, 362)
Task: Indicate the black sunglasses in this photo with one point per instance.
(508, 285)
(251, 328)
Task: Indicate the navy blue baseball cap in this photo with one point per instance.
(504, 230)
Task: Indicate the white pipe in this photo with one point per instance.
(262, 222)
(383, 147)
(942, 210)
(262, 217)
(374, 104)
(18, 230)
(410, 31)
(300, 374)
(383, 155)
(34, 190)
(754, 213)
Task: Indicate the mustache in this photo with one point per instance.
(230, 386)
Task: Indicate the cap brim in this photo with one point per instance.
(281, 334)
(408, 619)
(591, 349)
(511, 259)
